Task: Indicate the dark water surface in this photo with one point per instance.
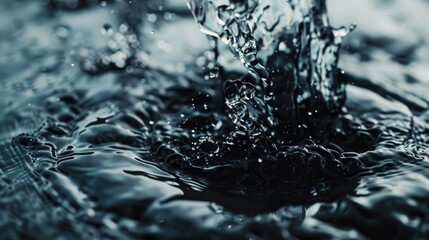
(114, 125)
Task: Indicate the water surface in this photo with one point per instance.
(113, 125)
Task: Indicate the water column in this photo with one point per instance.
(290, 51)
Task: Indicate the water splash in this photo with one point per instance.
(291, 53)
(148, 154)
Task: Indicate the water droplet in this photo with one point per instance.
(214, 72)
(123, 28)
(62, 31)
(168, 16)
(151, 17)
(107, 29)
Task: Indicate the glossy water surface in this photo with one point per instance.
(114, 125)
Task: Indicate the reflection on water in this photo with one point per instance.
(114, 126)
